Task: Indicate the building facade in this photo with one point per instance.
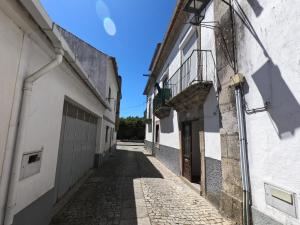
(56, 106)
(103, 71)
(222, 106)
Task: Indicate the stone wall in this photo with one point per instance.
(148, 145)
(213, 170)
(231, 194)
(169, 156)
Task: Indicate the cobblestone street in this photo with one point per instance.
(132, 188)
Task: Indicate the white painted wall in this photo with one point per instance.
(42, 126)
(208, 43)
(110, 115)
(149, 131)
(11, 39)
(210, 108)
(169, 127)
(169, 135)
(212, 126)
(113, 84)
(271, 63)
(170, 139)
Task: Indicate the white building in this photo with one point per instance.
(192, 117)
(58, 114)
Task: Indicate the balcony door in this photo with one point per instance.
(187, 150)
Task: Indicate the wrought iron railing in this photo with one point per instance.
(198, 67)
(161, 98)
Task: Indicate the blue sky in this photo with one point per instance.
(126, 29)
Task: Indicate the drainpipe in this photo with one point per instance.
(243, 155)
(23, 114)
(238, 80)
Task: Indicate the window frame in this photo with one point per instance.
(106, 134)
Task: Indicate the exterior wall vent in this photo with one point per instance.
(281, 199)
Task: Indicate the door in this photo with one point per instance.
(77, 147)
(187, 150)
(110, 140)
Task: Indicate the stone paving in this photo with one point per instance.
(134, 189)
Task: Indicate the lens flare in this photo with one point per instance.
(109, 26)
(104, 14)
(102, 9)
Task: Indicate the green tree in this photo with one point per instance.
(131, 128)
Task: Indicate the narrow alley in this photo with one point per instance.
(132, 188)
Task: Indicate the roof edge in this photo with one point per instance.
(178, 8)
(42, 19)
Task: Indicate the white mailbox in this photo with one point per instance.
(31, 164)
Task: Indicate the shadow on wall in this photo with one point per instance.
(212, 122)
(166, 124)
(256, 7)
(284, 109)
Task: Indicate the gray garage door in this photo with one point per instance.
(77, 147)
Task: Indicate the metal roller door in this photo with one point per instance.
(77, 147)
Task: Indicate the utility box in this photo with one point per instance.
(281, 199)
(31, 164)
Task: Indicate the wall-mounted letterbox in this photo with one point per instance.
(31, 164)
(281, 199)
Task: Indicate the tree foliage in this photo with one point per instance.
(131, 128)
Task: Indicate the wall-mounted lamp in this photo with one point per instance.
(196, 7)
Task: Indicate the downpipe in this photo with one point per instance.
(243, 155)
(18, 136)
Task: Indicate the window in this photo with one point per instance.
(106, 134)
(112, 134)
(157, 133)
(109, 94)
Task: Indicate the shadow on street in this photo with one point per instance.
(113, 194)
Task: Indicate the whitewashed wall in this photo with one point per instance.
(211, 112)
(105, 145)
(43, 125)
(149, 132)
(11, 39)
(113, 84)
(110, 115)
(171, 136)
(211, 127)
(269, 58)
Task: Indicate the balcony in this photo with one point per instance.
(191, 83)
(160, 107)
